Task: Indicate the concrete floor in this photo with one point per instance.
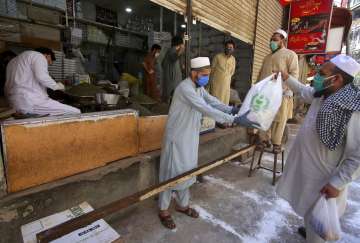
(233, 208)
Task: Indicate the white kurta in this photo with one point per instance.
(26, 84)
(181, 140)
(311, 165)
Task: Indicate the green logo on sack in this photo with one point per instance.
(259, 103)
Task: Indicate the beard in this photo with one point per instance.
(325, 92)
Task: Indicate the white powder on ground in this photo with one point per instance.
(355, 185)
(217, 222)
(236, 163)
(346, 238)
(274, 219)
(253, 195)
(219, 181)
(354, 219)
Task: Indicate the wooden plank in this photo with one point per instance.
(151, 131)
(54, 150)
(79, 222)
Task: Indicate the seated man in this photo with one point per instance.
(27, 78)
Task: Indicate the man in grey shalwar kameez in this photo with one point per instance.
(179, 152)
(325, 156)
(172, 74)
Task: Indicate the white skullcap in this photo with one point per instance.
(346, 64)
(281, 32)
(200, 62)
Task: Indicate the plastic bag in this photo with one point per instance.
(324, 219)
(263, 100)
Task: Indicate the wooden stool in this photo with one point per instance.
(258, 166)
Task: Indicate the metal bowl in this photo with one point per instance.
(107, 99)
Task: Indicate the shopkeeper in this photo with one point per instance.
(27, 80)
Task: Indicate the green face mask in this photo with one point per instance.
(274, 45)
(319, 82)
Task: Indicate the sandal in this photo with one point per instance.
(302, 231)
(167, 221)
(189, 212)
(262, 145)
(277, 149)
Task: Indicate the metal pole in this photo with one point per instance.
(200, 38)
(188, 37)
(254, 42)
(161, 18)
(175, 24)
(348, 42)
(74, 13)
(66, 14)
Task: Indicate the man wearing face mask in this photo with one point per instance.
(172, 67)
(281, 59)
(151, 89)
(222, 70)
(179, 152)
(325, 156)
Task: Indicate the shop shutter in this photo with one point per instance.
(269, 18)
(174, 5)
(236, 17)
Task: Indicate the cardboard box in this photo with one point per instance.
(43, 15)
(39, 32)
(99, 231)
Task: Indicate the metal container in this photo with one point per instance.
(107, 99)
(124, 92)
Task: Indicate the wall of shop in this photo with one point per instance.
(354, 36)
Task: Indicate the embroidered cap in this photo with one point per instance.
(346, 64)
(200, 62)
(281, 32)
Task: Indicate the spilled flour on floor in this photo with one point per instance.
(219, 182)
(216, 222)
(274, 219)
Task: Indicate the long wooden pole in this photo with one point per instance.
(86, 219)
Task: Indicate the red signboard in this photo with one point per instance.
(285, 2)
(308, 25)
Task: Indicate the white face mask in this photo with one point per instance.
(157, 54)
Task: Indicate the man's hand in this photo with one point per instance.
(235, 110)
(244, 121)
(180, 49)
(60, 86)
(330, 191)
(284, 75)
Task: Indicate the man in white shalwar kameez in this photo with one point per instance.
(325, 156)
(179, 152)
(27, 78)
